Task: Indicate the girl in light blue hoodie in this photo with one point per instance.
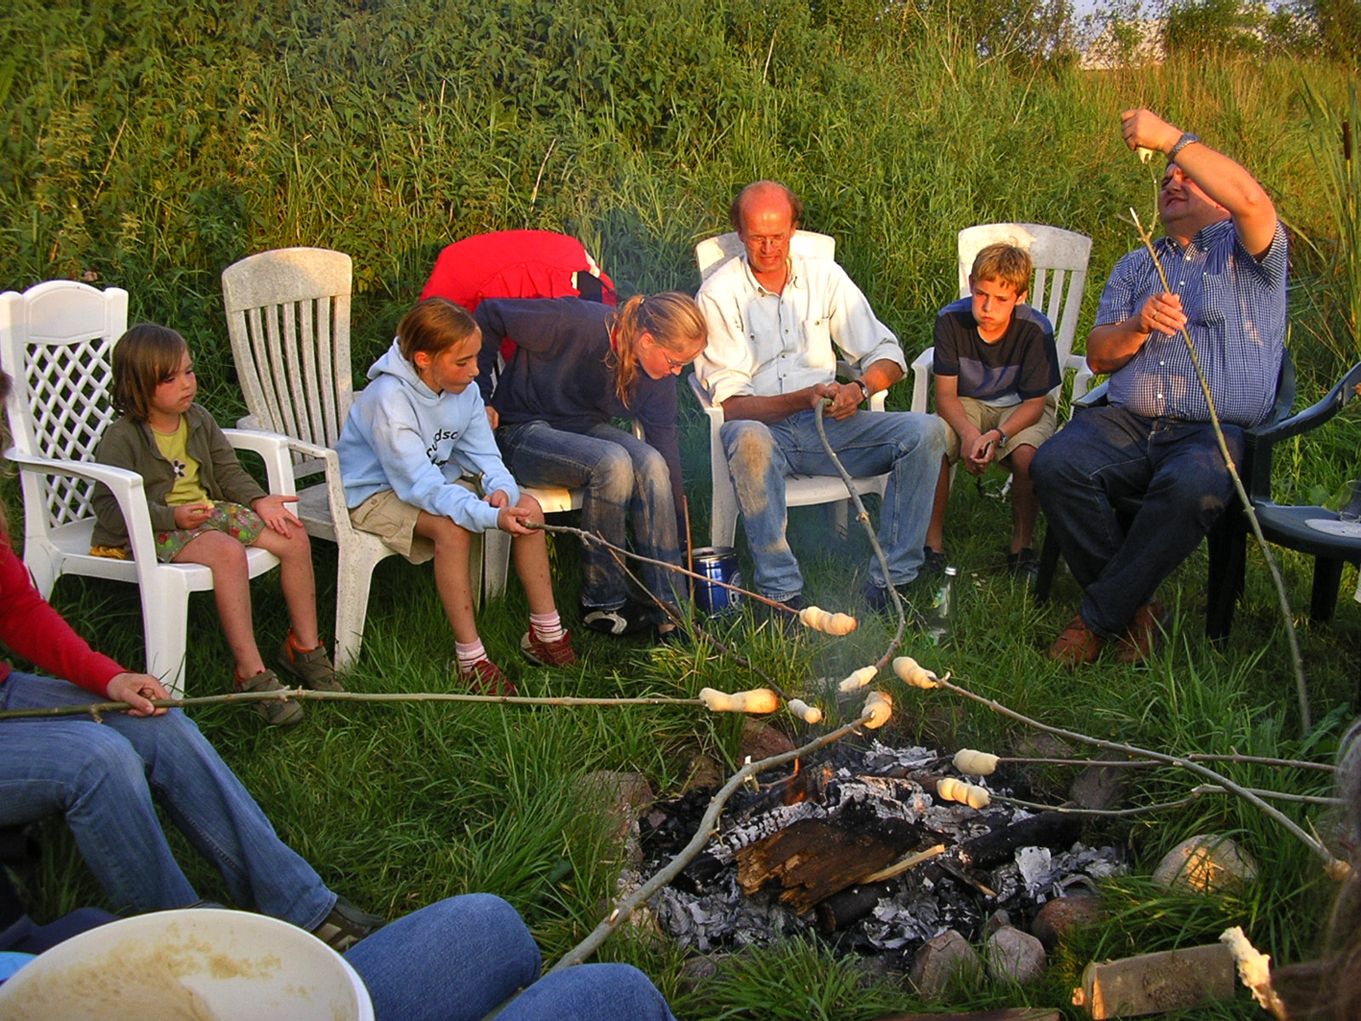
(415, 455)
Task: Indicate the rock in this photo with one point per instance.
(761, 741)
(1014, 956)
(997, 920)
(703, 772)
(1203, 863)
(942, 960)
(1101, 787)
(622, 798)
(1057, 919)
(695, 971)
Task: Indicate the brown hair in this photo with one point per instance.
(1329, 989)
(674, 321)
(1006, 263)
(433, 326)
(795, 203)
(143, 359)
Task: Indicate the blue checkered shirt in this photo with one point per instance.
(1236, 309)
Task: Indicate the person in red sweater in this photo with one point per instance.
(101, 775)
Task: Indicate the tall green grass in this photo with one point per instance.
(149, 147)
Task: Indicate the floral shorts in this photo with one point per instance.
(236, 520)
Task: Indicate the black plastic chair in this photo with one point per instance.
(1287, 525)
(1227, 539)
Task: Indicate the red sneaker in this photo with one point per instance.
(485, 678)
(557, 653)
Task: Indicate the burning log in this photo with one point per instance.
(812, 860)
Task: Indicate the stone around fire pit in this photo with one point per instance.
(761, 741)
(1204, 863)
(1057, 919)
(942, 960)
(1014, 956)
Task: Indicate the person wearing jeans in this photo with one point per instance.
(1225, 259)
(578, 365)
(773, 320)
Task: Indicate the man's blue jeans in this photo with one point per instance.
(101, 776)
(908, 446)
(462, 957)
(1106, 454)
(626, 482)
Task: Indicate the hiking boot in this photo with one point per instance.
(880, 601)
(551, 654)
(485, 678)
(1077, 644)
(1024, 565)
(628, 619)
(1144, 634)
(787, 623)
(312, 667)
(279, 713)
(346, 925)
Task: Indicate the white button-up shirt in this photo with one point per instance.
(765, 344)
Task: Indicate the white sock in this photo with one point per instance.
(547, 627)
(469, 653)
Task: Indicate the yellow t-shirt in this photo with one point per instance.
(174, 447)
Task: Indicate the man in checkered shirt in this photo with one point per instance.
(1225, 258)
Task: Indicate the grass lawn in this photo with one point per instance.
(399, 805)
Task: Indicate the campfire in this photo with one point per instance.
(859, 847)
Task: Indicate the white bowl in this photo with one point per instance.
(195, 964)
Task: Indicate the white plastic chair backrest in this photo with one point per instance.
(1060, 258)
(56, 343)
(288, 317)
(715, 251)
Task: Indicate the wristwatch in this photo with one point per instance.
(1186, 139)
(864, 388)
(1001, 438)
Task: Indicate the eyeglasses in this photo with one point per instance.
(671, 363)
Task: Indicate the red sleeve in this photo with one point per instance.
(38, 633)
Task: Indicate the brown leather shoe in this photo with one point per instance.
(1077, 644)
(1144, 634)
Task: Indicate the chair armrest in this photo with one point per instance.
(706, 403)
(1082, 375)
(1095, 397)
(126, 487)
(1312, 416)
(922, 367)
(335, 485)
(273, 449)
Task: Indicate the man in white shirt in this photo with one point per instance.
(773, 320)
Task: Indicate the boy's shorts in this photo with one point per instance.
(985, 417)
(234, 519)
(394, 521)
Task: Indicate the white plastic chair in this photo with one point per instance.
(1060, 258)
(56, 342)
(288, 317)
(800, 490)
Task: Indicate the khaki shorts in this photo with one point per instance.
(985, 417)
(394, 521)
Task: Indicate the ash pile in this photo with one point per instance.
(859, 847)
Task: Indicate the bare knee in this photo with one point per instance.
(527, 502)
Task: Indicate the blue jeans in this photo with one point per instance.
(101, 777)
(1107, 454)
(626, 482)
(462, 957)
(908, 446)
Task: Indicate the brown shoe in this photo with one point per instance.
(1077, 644)
(1144, 634)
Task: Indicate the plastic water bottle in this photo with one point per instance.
(940, 615)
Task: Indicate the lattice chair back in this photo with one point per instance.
(58, 340)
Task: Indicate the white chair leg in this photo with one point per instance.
(839, 511)
(354, 578)
(44, 566)
(495, 561)
(165, 616)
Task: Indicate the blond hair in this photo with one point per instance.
(434, 325)
(144, 358)
(1006, 263)
(674, 322)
